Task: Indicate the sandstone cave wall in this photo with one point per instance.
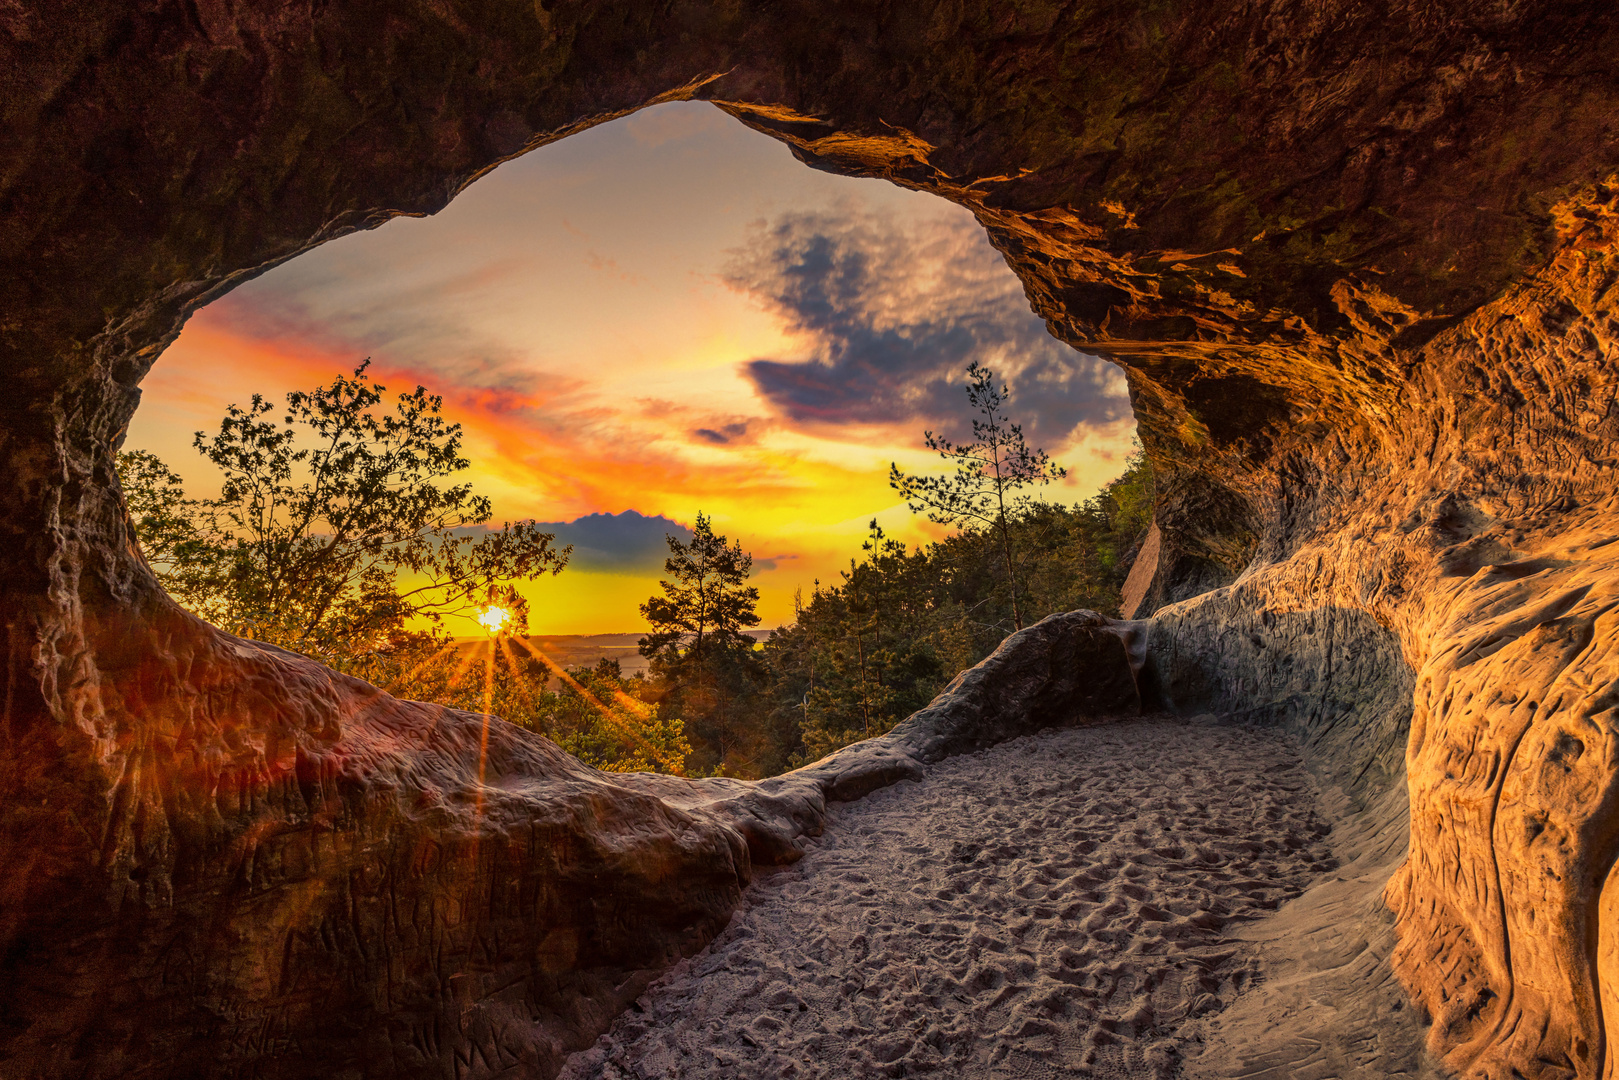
(1356, 260)
(1470, 590)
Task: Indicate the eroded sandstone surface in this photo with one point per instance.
(1357, 261)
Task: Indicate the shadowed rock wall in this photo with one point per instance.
(1357, 260)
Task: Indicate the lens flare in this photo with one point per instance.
(494, 619)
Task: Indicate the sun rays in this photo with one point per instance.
(626, 705)
(506, 683)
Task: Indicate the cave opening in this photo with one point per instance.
(661, 327)
(662, 315)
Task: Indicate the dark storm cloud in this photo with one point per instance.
(627, 542)
(895, 317)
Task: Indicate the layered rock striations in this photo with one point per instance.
(1357, 261)
(1468, 594)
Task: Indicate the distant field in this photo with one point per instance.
(575, 650)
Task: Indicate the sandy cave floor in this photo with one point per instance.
(1056, 906)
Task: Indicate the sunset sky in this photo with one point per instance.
(663, 315)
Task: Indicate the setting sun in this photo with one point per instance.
(494, 619)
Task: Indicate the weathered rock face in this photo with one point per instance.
(1358, 262)
(1470, 592)
(240, 862)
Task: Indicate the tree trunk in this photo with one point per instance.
(1011, 575)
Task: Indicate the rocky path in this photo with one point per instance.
(1057, 906)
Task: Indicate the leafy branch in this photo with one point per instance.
(332, 525)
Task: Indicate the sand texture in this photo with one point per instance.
(1330, 1006)
(1064, 904)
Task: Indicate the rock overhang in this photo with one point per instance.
(1357, 263)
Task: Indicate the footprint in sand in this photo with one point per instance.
(1056, 906)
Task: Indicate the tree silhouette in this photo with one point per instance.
(332, 528)
(697, 645)
(988, 473)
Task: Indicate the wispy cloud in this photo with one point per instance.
(894, 312)
(411, 322)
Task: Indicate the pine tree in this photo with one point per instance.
(700, 655)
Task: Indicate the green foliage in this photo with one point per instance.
(334, 535)
(987, 473)
(332, 530)
(707, 605)
(594, 713)
(627, 735)
(862, 655)
(703, 664)
(167, 529)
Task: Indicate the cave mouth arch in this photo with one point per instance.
(1431, 315)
